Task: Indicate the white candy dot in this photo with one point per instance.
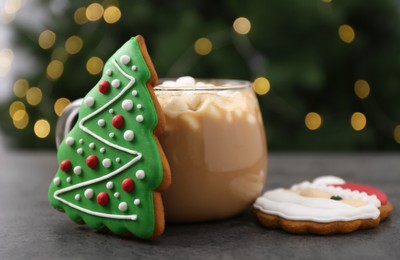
(134, 93)
(111, 111)
(69, 179)
(111, 135)
(92, 145)
(127, 105)
(108, 72)
(56, 181)
(89, 101)
(79, 151)
(115, 83)
(107, 163)
(110, 185)
(70, 141)
(186, 81)
(128, 135)
(102, 150)
(139, 118)
(77, 197)
(116, 195)
(101, 122)
(89, 193)
(81, 141)
(118, 159)
(123, 206)
(139, 106)
(140, 174)
(134, 67)
(78, 170)
(125, 59)
(136, 202)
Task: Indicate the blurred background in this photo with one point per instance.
(326, 72)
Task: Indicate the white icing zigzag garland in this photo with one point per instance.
(96, 180)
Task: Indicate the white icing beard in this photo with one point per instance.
(292, 206)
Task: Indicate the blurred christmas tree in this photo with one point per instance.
(327, 72)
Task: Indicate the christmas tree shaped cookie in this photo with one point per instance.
(111, 165)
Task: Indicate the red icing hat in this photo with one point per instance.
(364, 188)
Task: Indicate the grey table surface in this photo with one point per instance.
(31, 229)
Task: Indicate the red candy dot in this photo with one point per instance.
(104, 87)
(118, 121)
(92, 161)
(102, 198)
(128, 185)
(65, 165)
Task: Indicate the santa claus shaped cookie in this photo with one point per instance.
(328, 205)
(111, 165)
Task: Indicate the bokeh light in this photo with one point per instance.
(203, 46)
(14, 107)
(261, 86)
(60, 105)
(42, 128)
(242, 25)
(20, 119)
(362, 88)
(46, 39)
(112, 14)
(80, 16)
(55, 69)
(94, 65)
(73, 44)
(94, 12)
(6, 59)
(346, 33)
(396, 134)
(313, 121)
(20, 88)
(358, 121)
(34, 96)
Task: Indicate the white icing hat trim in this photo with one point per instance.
(329, 179)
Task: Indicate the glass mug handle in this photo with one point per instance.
(67, 120)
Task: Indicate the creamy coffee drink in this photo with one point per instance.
(216, 146)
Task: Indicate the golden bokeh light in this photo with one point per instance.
(55, 69)
(73, 44)
(346, 33)
(112, 14)
(94, 65)
(14, 107)
(396, 134)
(34, 96)
(20, 88)
(242, 25)
(313, 121)
(20, 119)
(80, 16)
(6, 59)
(362, 88)
(12, 6)
(203, 46)
(46, 39)
(261, 86)
(42, 128)
(94, 12)
(358, 121)
(60, 105)
(327, 1)
(59, 54)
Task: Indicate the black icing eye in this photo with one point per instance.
(336, 197)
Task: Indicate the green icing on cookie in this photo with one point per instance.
(109, 162)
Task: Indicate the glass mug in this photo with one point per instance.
(215, 143)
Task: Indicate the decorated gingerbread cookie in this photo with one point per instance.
(111, 165)
(328, 205)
